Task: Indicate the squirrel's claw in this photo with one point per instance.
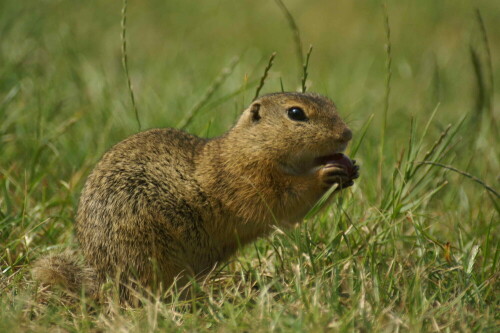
(331, 174)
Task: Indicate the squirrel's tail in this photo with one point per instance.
(67, 270)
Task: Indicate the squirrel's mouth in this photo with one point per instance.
(329, 159)
(309, 162)
(330, 156)
(338, 159)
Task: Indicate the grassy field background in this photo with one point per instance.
(411, 247)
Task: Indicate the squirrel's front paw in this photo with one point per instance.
(331, 174)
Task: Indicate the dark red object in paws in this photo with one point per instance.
(342, 161)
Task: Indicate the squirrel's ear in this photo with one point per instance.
(255, 112)
(250, 116)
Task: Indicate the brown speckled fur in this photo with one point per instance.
(164, 203)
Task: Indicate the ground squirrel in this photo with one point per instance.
(163, 204)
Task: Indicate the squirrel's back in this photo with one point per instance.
(139, 206)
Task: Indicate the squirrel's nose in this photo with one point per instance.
(345, 135)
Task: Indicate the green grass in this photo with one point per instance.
(411, 247)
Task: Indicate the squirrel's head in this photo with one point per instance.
(296, 130)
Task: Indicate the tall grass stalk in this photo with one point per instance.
(388, 76)
(125, 62)
(216, 83)
(264, 76)
(484, 35)
(295, 31)
(305, 68)
(465, 174)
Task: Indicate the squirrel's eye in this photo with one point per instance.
(297, 114)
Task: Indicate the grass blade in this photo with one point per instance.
(465, 174)
(388, 76)
(295, 30)
(191, 114)
(125, 62)
(306, 65)
(264, 76)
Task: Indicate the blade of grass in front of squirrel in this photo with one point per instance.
(317, 207)
(363, 130)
